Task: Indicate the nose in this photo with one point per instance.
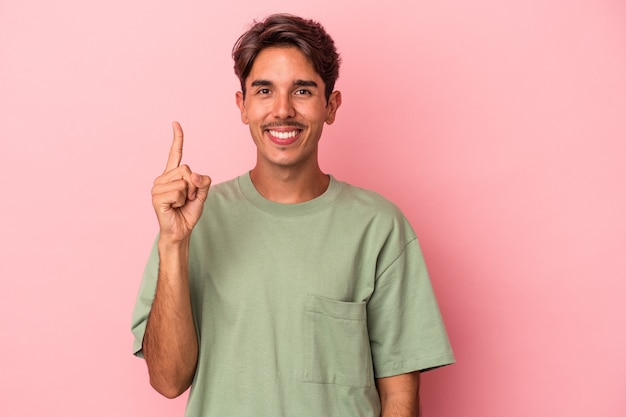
(283, 107)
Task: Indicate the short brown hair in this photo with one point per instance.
(287, 30)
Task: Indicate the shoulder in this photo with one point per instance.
(369, 209)
(223, 200)
(225, 190)
(363, 199)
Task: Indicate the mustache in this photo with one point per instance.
(284, 123)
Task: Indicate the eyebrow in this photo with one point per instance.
(257, 83)
(305, 83)
(299, 83)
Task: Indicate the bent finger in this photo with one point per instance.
(182, 172)
(178, 185)
(169, 199)
(202, 182)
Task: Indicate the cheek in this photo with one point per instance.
(256, 113)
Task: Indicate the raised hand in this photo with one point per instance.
(178, 195)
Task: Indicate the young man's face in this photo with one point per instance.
(285, 108)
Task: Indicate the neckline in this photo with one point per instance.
(288, 210)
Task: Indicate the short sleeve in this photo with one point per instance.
(143, 304)
(404, 322)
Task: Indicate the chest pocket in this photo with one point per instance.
(336, 343)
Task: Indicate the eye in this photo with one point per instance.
(263, 91)
(303, 92)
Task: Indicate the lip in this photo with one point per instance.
(283, 141)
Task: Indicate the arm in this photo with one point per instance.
(170, 344)
(399, 395)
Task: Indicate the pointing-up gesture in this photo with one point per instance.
(178, 195)
(170, 344)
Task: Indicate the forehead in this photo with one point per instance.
(282, 63)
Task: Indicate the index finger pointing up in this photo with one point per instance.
(176, 151)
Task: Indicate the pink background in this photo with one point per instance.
(499, 127)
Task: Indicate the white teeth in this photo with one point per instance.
(283, 135)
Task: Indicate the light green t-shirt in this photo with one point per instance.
(299, 307)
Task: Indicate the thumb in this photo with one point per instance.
(203, 182)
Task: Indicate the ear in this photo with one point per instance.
(334, 101)
(242, 108)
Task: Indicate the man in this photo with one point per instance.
(296, 294)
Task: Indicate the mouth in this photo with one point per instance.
(283, 135)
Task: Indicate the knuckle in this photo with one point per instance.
(158, 180)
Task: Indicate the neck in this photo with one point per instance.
(288, 186)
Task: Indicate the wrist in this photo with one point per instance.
(174, 254)
(169, 244)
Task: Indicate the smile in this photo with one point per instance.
(284, 135)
